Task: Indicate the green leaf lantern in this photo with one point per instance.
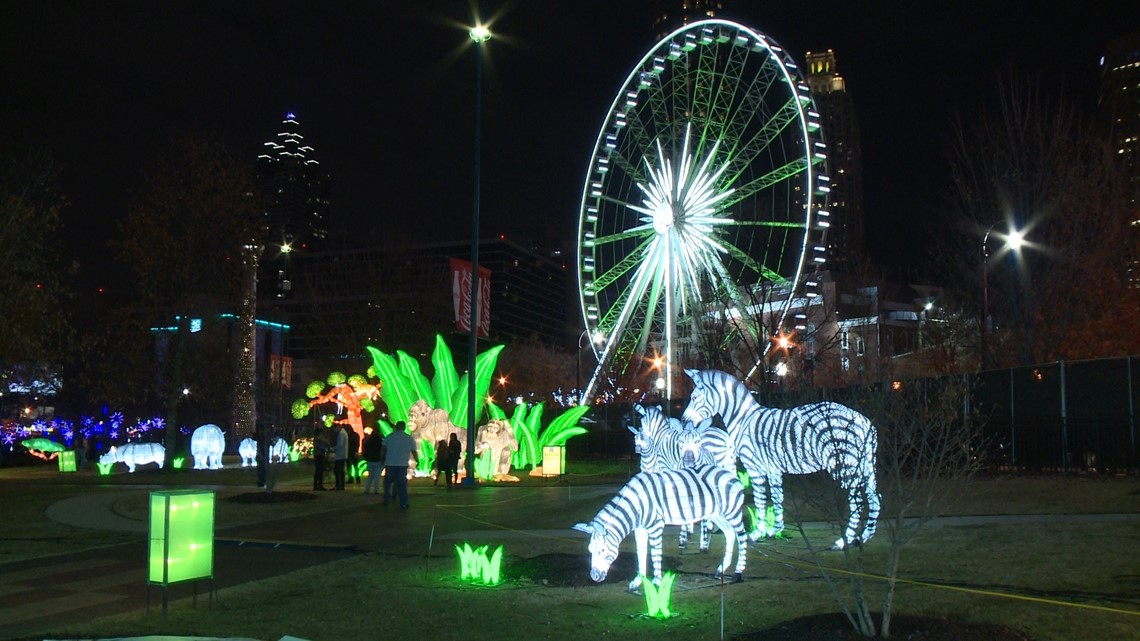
(397, 393)
(410, 368)
(484, 367)
(446, 379)
(336, 378)
(564, 427)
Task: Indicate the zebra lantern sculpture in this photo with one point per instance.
(812, 438)
(663, 443)
(652, 500)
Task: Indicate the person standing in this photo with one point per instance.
(353, 456)
(373, 453)
(319, 447)
(441, 462)
(454, 451)
(341, 458)
(398, 448)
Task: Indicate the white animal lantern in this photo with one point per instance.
(279, 451)
(247, 449)
(206, 446)
(498, 437)
(770, 443)
(133, 454)
(652, 500)
(434, 425)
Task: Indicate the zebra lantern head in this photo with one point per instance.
(643, 437)
(710, 389)
(603, 549)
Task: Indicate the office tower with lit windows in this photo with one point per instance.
(295, 205)
(1119, 106)
(845, 243)
(294, 188)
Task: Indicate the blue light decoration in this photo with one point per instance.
(831, 437)
(652, 500)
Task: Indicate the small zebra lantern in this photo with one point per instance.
(652, 500)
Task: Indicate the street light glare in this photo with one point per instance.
(1016, 240)
(480, 33)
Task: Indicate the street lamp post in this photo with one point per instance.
(480, 34)
(1013, 241)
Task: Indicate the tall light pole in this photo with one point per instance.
(480, 34)
(1013, 241)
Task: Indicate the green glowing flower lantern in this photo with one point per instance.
(657, 597)
(178, 462)
(105, 468)
(67, 461)
(181, 536)
(475, 565)
(553, 460)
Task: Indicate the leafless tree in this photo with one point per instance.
(929, 447)
(1032, 165)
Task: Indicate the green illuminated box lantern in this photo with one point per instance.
(553, 460)
(181, 536)
(67, 461)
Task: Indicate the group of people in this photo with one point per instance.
(390, 454)
(447, 455)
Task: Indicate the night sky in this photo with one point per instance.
(384, 92)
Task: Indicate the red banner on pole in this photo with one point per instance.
(461, 297)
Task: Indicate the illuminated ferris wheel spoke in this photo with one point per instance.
(700, 184)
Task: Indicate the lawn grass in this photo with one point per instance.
(1024, 576)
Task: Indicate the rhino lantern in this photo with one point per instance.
(133, 454)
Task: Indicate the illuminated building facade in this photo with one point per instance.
(295, 199)
(845, 246)
(401, 297)
(1120, 105)
(674, 14)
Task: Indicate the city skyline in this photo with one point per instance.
(386, 95)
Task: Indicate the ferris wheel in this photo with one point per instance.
(707, 181)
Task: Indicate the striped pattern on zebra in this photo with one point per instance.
(652, 500)
(664, 443)
(772, 442)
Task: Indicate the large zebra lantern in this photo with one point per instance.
(652, 500)
(772, 442)
(664, 443)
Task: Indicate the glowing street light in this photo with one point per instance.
(1014, 241)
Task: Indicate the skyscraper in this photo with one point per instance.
(1119, 106)
(845, 244)
(294, 188)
